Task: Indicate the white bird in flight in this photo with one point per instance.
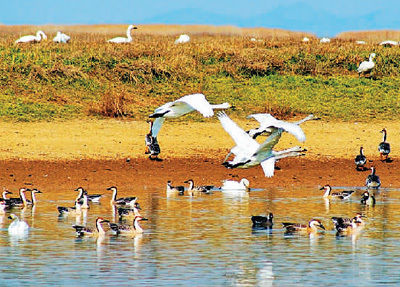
(181, 107)
(367, 66)
(182, 39)
(40, 35)
(128, 38)
(61, 38)
(248, 152)
(266, 120)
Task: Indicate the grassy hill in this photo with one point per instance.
(276, 73)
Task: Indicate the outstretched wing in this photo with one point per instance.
(271, 141)
(239, 136)
(157, 124)
(268, 166)
(268, 121)
(199, 103)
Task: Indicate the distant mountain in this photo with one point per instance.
(298, 17)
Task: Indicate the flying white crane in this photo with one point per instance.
(40, 35)
(61, 38)
(367, 66)
(248, 152)
(182, 39)
(181, 107)
(128, 38)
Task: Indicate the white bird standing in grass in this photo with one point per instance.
(61, 38)
(325, 40)
(367, 66)
(40, 35)
(17, 227)
(388, 43)
(182, 39)
(248, 152)
(128, 38)
(182, 106)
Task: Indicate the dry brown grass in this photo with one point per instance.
(370, 36)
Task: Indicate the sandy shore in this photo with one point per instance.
(64, 155)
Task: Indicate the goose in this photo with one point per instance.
(311, 227)
(368, 199)
(75, 210)
(243, 185)
(200, 188)
(248, 152)
(360, 160)
(366, 66)
(344, 228)
(384, 146)
(21, 200)
(17, 227)
(182, 106)
(182, 39)
(129, 212)
(128, 39)
(262, 221)
(126, 230)
(7, 201)
(345, 194)
(152, 146)
(91, 197)
(82, 231)
(373, 180)
(40, 35)
(33, 197)
(175, 189)
(61, 38)
(325, 40)
(131, 200)
(266, 120)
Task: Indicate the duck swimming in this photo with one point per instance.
(130, 200)
(126, 230)
(200, 188)
(175, 189)
(82, 231)
(360, 160)
(312, 226)
(17, 227)
(373, 180)
(243, 185)
(346, 220)
(384, 146)
(129, 212)
(90, 197)
(368, 199)
(262, 221)
(339, 195)
(345, 228)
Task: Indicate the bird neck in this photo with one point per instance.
(384, 135)
(361, 151)
(5, 195)
(128, 34)
(33, 197)
(99, 228)
(137, 226)
(23, 197)
(114, 195)
(191, 184)
(327, 191)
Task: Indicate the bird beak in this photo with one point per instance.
(105, 220)
(39, 191)
(322, 188)
(10, 217)
(323, 227)
(186, 181)
(109, 188)
(144, 219)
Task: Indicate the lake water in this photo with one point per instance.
(207, 241)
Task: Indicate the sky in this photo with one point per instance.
(321, 17)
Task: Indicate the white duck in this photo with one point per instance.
(243, 185)
(128, 38)
(248, 152)
(181, 107)
(366, 66)
(17, 227)
(40, 35)
(61, 38)
(182, 39)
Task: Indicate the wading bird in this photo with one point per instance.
(366, 66)
(40, 35)
(128, 39)
(248, 152)
(373, 180)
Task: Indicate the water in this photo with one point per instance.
(207, 241)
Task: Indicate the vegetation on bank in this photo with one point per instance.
(281, 75)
